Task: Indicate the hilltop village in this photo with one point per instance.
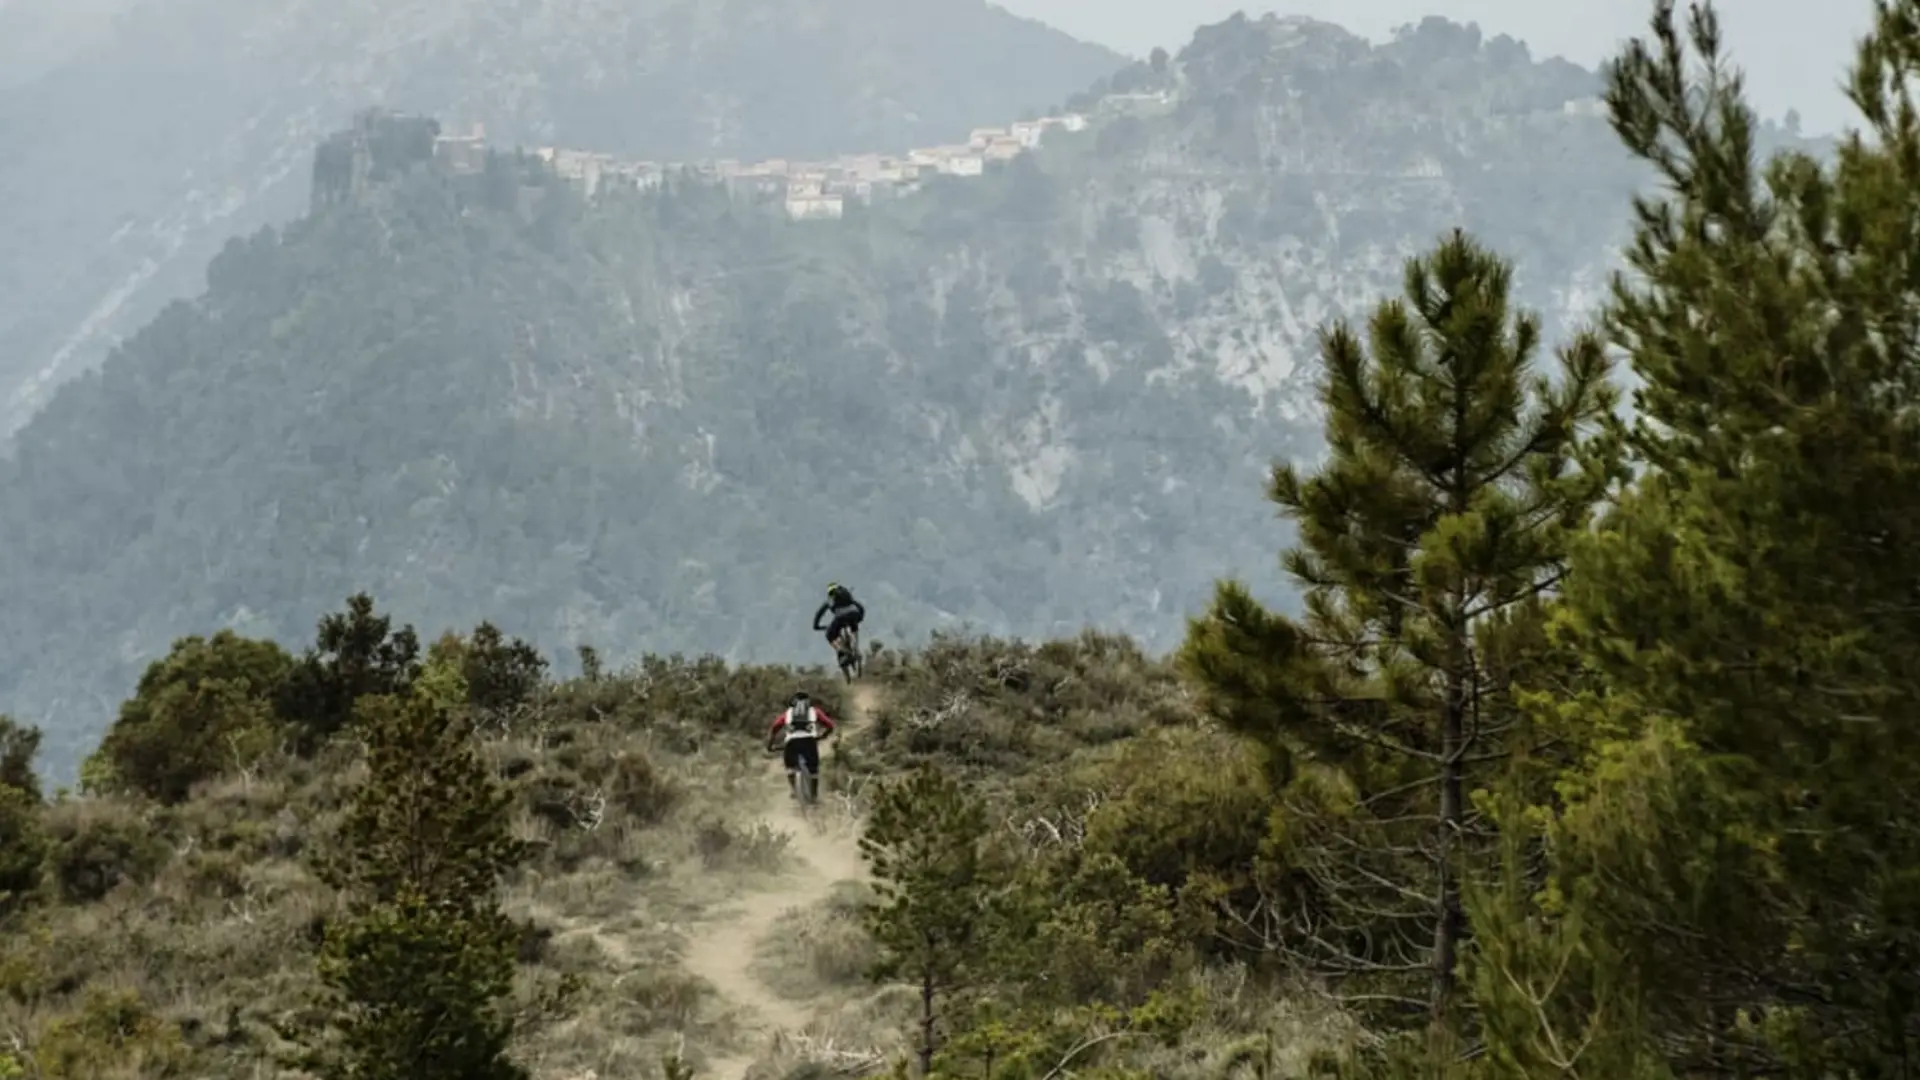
(809, 189)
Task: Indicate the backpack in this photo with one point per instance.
(800, 721)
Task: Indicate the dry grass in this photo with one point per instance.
(822, 952)
(175, 939)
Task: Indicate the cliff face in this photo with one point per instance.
(143, 134)
(663, 419)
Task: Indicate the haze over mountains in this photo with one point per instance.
(1030, 400)
(143, 134)
(1793, 62)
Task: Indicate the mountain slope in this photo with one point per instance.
(1033, 400)
(142, 135)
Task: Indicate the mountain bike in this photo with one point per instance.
(805, 789)
(847, 653)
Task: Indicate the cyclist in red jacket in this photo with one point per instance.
(797, 730)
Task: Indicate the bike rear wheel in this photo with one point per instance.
(848, 655)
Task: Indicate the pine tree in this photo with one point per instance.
(1741, 841)
(355, 653)
(935, 912)
(415, 972)
(1426, 542)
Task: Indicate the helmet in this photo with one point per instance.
(832, 587)
(800, 697)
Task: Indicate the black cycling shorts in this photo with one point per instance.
(803, 752)
(849, 621)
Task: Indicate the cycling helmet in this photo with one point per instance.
(800, 697)
(832, 587)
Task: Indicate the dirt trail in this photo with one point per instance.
(866, 698)
(723, 952)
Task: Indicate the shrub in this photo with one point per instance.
(19, 745)
(97, 844)
(23, 848)
(114, 1034)
(500, 674)
(1178, 803)
(204, 708)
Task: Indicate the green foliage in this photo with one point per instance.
(415, 973)
(356, 653)
(500, 674)
(934, 915)
(1441, 517)
(23, 847)
(204, 709)
(443, 678)
(1730, 883)
(23, 839)
(115, 1036)
(18, 745)
(95, 846)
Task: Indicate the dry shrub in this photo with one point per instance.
(826, 948)
(758, 847)
(97, 844)
(659, 1000)
(1002, 708)
(114, 1034)
(246, 814)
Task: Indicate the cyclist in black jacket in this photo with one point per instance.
(847, 614)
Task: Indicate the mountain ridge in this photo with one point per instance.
(133, 191)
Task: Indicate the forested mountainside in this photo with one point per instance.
(1029, 401)
(141, 134)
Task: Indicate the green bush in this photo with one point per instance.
(95, 844)
(23, 848)
(500, 674)
(204, 708)
(114, 1034)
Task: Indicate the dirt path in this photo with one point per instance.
(723, 952)
(866, 698)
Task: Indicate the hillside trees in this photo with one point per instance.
(415, 972)
(217, 704)
(1427, 542)
(1732, 880)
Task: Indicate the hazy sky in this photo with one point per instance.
(1791, 60)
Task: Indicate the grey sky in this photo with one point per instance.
(1791, 60)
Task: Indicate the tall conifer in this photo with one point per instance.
(1426, 541)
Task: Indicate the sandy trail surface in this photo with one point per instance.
(723, 951)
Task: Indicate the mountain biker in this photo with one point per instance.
(847, 614)
(798, 730)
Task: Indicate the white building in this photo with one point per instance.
(1004, 148)
(814, 207)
